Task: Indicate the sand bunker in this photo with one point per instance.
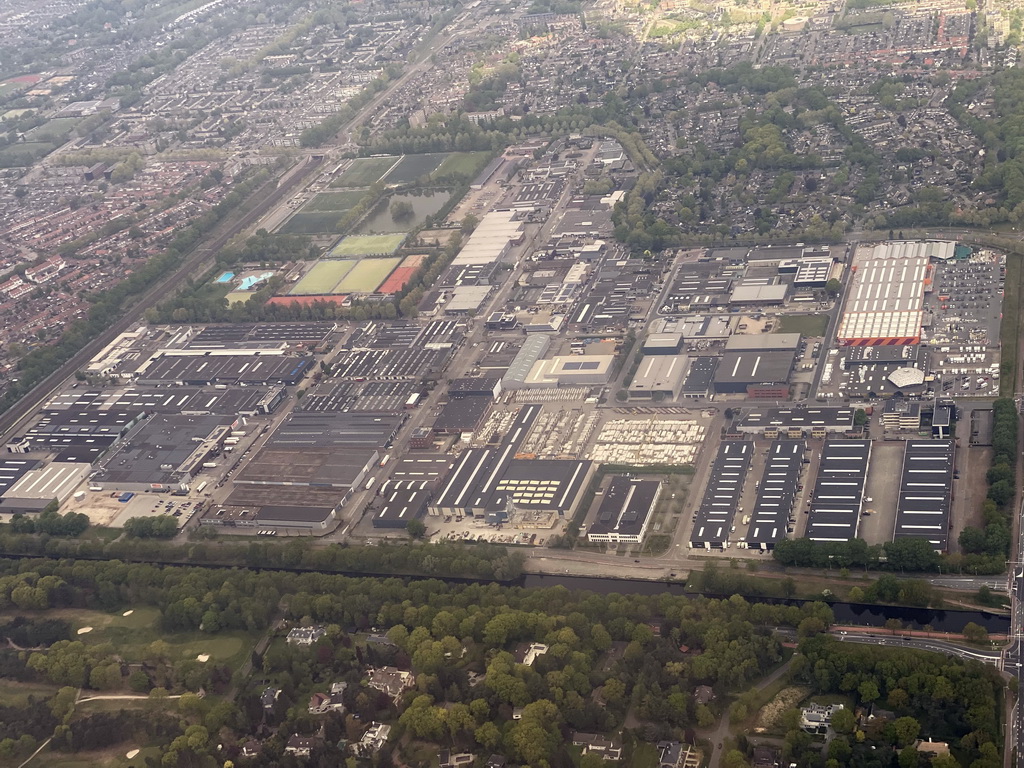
(128, 613)
(132, 754)
(203, 657)
(85, 630)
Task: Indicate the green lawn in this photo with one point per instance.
(807, 325)
(322, 278)
(15, 694)
(25, 153)
(334, 201)
(364, 171)
(367, 275)
(132, 635)
(367, 245)
(412, 167)
(54, 130)
(465, 164)
(314, 223)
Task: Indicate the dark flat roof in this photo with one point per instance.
(839, 490)
(754, 368)
(463, 414)
(227, 369)
(925, 492)
(626, 505)
(478, 470)
(773, 503)
(701, 374)
(722, 493)
(797, 418)
(11, 470)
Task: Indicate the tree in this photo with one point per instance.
(844, 721)
(735, 759)
(905, 730)
(975, 634)
(832, 287)
(868, 691)
(416, 528)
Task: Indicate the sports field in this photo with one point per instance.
(412, 167)
(367, 275)
(53, 130)
(364, 171)
(465, 164)
(322, 278)
(317, 222)
(334, 201)
(367, 245)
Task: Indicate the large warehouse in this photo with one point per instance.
(659, 376)
(926, 492)
(885, 299)
(754, 372)
(839, 490)
(626, 510)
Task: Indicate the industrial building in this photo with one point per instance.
(659, 376)
(815, 421)
(663, 344)
(926, 487)
(164, 452)
(533, 349)
(713, 521)
(325, 450)
(776, 495)
(763, 342)
(757, 374)
(399, 501)
(76, 435)
(625, 511)
(836, 503)
(37, 486)
(885, 299)
(209, 368)
(570, 371)
(700, 378)
(462, 415)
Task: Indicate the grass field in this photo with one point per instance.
(367, 275)
(114, 757)
(367, 245)
(313, 223)
(412, 167)
(334, 201)
(808, 325)
(322, 278)
(15, 694)
(466, 164)
(364, 171)
(131, 635)
(54, 130)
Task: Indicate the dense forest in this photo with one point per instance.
(609, 659)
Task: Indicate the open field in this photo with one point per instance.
(367, 245)
(114, 757)
(133, 634)
(313, 223)
(364, 171)
(807, 325)
(322, 278)
(412, 167)
(15, 694)
(334, 201)
(466, 164)
(54, 130)
(367, 275)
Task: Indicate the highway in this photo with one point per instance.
(993, 657)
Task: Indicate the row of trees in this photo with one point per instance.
(904, 555)
(991, 542)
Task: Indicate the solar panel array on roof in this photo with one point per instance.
(925, 492)
(777, 493)
(722, 495)
(839, 490)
